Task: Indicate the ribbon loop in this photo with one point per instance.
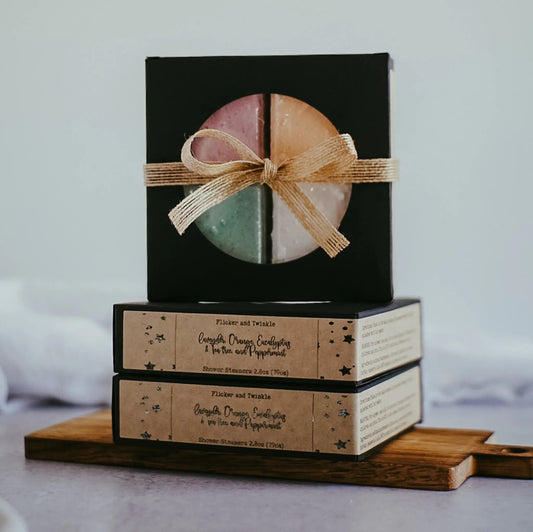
(250, 159)
(332, 161)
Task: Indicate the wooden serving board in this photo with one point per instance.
(423, 458)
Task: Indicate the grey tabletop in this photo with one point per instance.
(53, 496)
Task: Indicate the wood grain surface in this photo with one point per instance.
(423, 458)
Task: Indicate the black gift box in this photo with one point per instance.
(253, 418)
(339, 344)
(353, 92)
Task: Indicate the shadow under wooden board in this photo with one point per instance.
(422, 458)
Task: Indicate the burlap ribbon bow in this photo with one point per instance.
(332, 161)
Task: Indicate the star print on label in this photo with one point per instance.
(146, 435)
(149, 366)
(348, 338)
(343, 412)
(160, 337)
(340, 444)
(345, 371)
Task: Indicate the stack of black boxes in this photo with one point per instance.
(253, 338)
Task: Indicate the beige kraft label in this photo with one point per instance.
(255, 418)
(388, 340)
(388, 408)
(270, 346)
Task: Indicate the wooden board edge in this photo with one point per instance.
(383, 474)
(102, 418)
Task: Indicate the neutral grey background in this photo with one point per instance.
(72, 138)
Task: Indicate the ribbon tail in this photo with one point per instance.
(209, 195)
(314, 222)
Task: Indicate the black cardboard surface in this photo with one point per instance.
(353, 92)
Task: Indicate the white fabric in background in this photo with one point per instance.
(10, 519)
(3, 390)
(477, 369)
(56, 341)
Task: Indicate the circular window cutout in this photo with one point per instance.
(255, 225)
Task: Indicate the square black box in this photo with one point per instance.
(353, 92)
(404, 412)
(339, 345)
